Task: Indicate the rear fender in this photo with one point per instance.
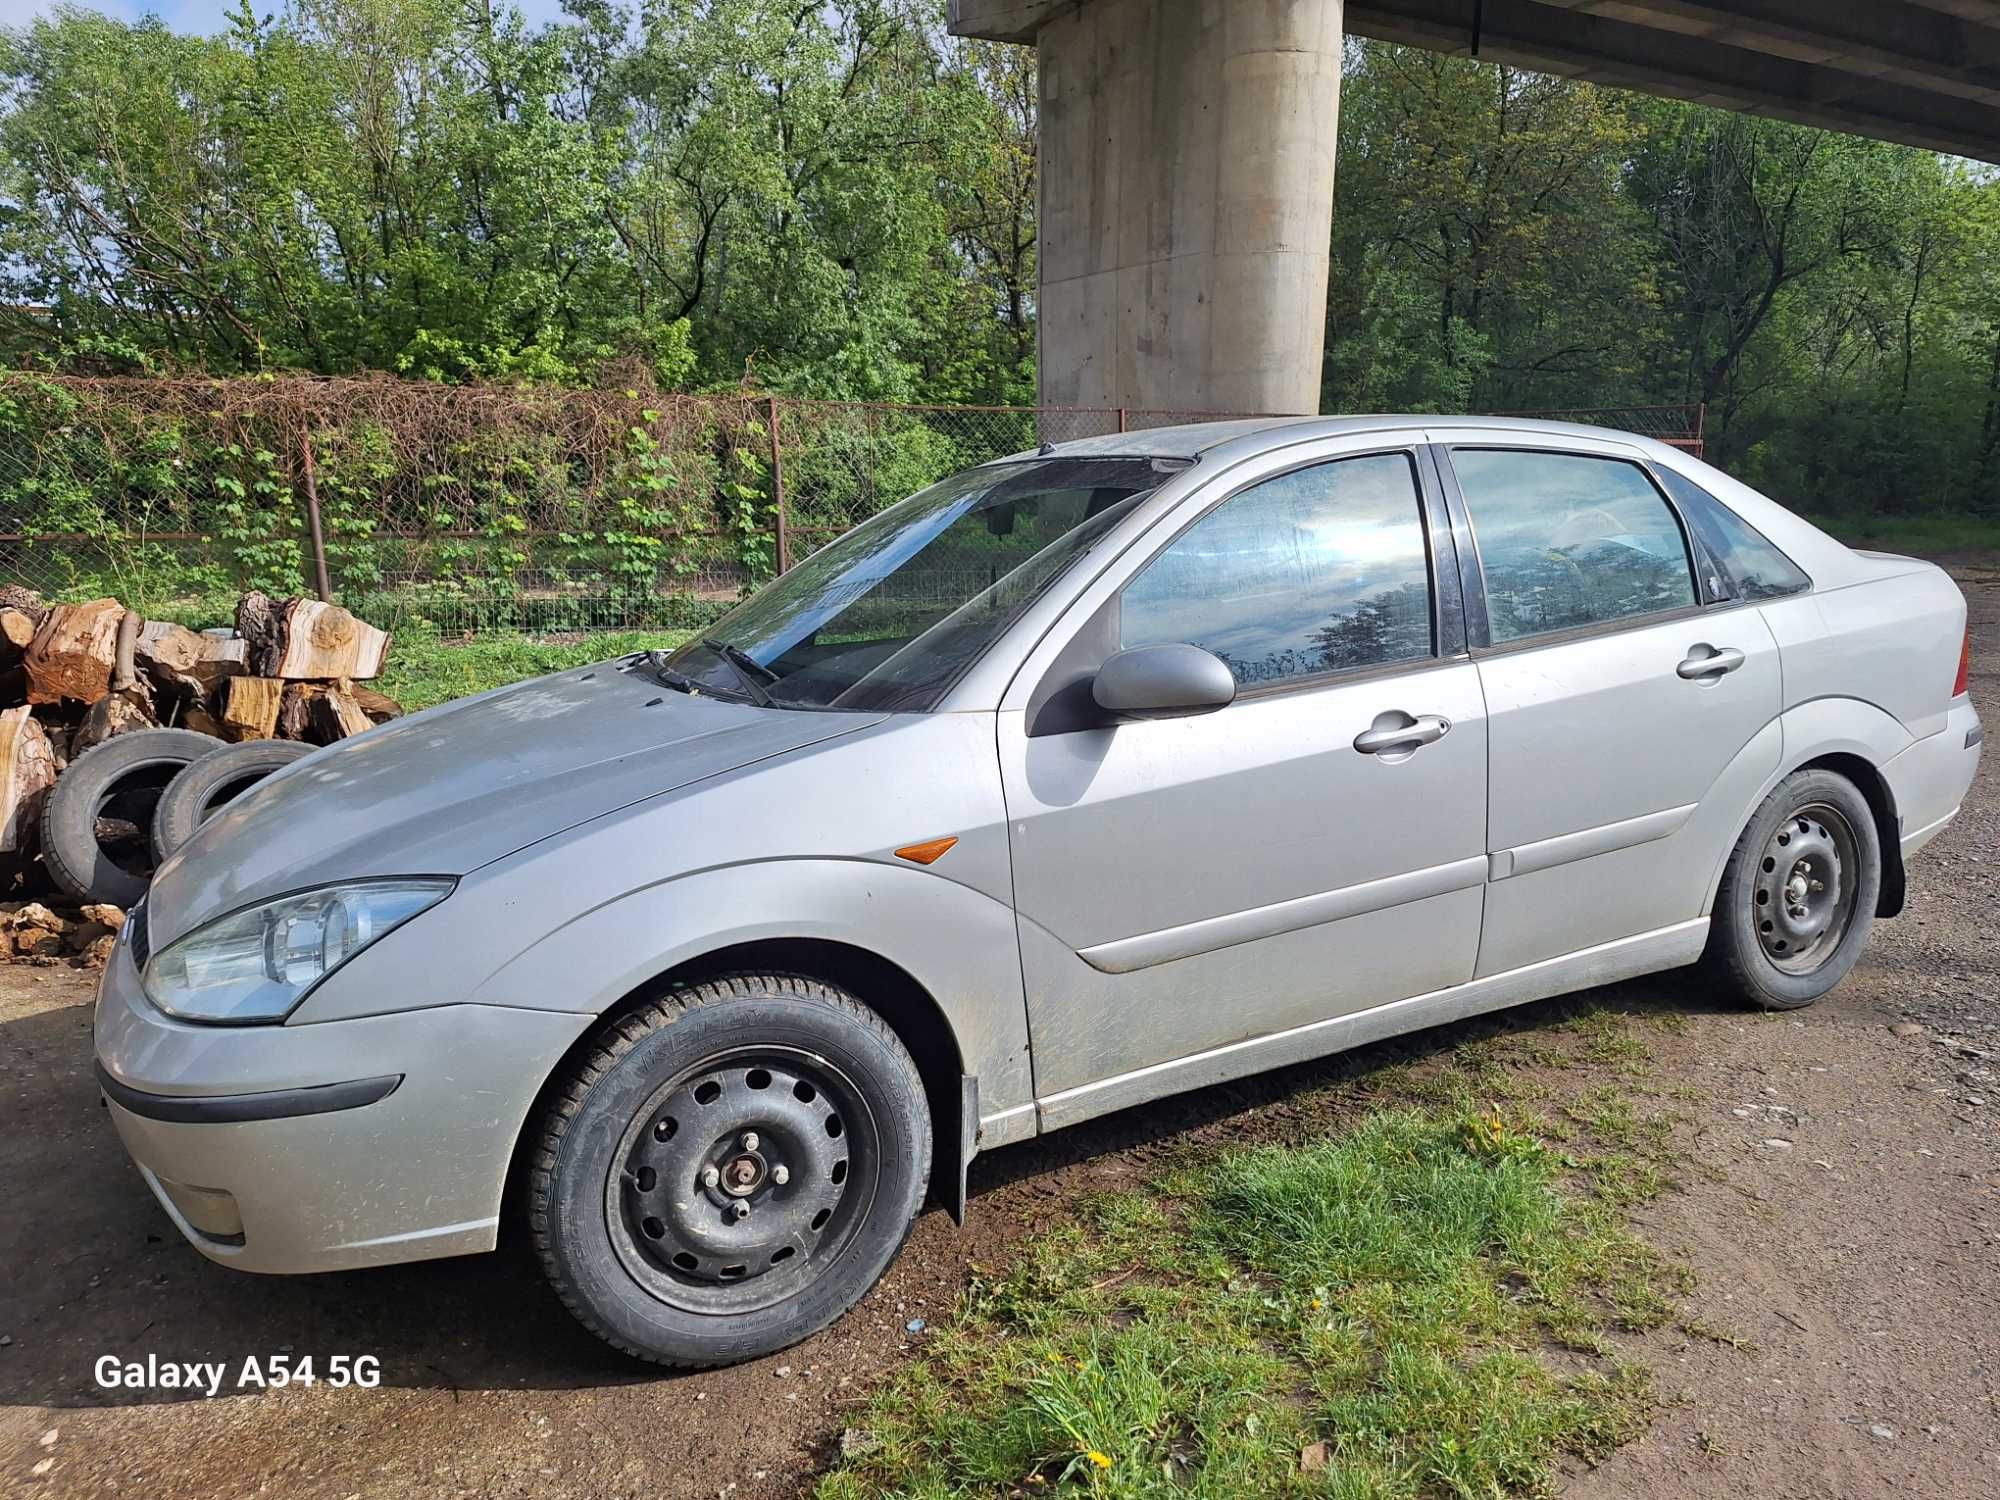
(1823, 729)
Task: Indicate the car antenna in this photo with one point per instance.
(1046, 448)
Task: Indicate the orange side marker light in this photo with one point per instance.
(929, 852)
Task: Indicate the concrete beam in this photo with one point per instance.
(1004, 20)
(1852, 93)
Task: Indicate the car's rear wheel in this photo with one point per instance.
(1797, 900)
(729, 1169)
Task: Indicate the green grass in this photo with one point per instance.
(1417, 1306)
(1925, 536)
(423, 670)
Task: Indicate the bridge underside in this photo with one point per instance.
(1187, 147)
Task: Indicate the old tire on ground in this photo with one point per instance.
(211, 782)
(97, 825)
(729, 1168)
(1797, 899)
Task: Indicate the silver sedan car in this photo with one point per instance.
(1078, 779)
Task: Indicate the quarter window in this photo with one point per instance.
(1320, 570)
(1567, 540)
(1753, 567)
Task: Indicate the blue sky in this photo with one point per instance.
(206, 15)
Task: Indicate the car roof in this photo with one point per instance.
(1247, 435)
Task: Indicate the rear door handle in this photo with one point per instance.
(1709, 661)
(1385, 736)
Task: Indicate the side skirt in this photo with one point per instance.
(1649, 952)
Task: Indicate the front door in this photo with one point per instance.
(1629, 723)
(1316, 847)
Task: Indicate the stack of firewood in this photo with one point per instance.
(75, 675)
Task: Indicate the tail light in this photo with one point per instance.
(1964, 678)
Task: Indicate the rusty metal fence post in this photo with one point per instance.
(783, 519)
(322, 583)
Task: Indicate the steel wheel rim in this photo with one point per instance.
(777, 1131)
(1802, 899)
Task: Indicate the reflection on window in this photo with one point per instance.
(1754, 568)
(1566, 541)
(1315, 571)
(890, 614)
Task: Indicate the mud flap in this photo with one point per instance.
(952, 1185)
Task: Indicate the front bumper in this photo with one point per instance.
(277, 1148)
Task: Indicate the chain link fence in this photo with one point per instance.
(464, 508)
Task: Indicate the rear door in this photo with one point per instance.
(1628, 721)
(1189, 884)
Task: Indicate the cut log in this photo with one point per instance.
(304, 640)
(73, 652)
(27, 771)
(225, 656)
(324, 640)
(250, 707)
(201, 721)
(118, 711)
(258, 624)
(17, 628)
(295, 718)
(378, 706)
(165, 646)
(336, 716)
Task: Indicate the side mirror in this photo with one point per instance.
(1163, 682)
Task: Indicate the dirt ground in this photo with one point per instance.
(1841, 1215)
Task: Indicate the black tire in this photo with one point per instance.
(206, 786)
(819, 1125)
(120, 782)
(1797, 899)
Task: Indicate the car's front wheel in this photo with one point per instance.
(1797, 899)
(729, 1168)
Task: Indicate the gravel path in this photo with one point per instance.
(1841, 1224)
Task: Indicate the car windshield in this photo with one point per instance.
(888, 616)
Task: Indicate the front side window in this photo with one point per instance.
(1567, 541)
(1320, 570)
(888, 616)
(1752, 567)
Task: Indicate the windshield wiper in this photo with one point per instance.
(752, 673)
(738, 657)
(656, 663)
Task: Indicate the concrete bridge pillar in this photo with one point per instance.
(1186, 161)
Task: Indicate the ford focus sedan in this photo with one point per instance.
(1075, 780)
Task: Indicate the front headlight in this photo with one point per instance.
(255, 965)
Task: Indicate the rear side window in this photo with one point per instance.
(1320, 570)
(1752, 567)
(1567, 540)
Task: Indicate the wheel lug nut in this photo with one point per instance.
(742, 1209)
(781, 1175)
(710, 1177)
(749, 1140)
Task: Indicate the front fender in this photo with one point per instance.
(955, 942)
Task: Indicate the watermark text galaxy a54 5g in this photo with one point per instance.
(252, 1373)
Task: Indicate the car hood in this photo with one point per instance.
(448, 790)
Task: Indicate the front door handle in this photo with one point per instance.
(1400, 732)
(1707, 662)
